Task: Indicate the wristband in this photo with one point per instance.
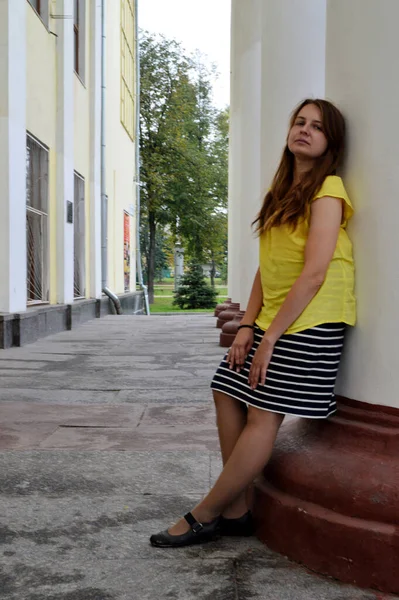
(249, 326)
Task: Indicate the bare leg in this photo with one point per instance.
(248, 458)
(231, 418)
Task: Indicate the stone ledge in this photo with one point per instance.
(40, 321)
(18, 329)
(6, 330)
(83, 310)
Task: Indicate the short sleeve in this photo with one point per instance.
(333, 186)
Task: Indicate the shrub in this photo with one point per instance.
(194, 291)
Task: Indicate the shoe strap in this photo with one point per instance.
(194, 524)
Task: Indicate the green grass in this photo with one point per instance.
(171, 281)
(164, 290)
(165, 305)
(163, 299)
(167, 280)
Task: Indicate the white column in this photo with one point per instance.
(95, 150)
(65, 149)
(278, 59)
(362, 46)
(293, 68)
(13, 155)
(244, 159)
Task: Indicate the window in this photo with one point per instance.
(42, 9)
(127, 66)
(79, 14)
(79, 231)
(76, 34)
(37, 165)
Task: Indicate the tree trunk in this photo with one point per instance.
(212, 273)
(151, 255)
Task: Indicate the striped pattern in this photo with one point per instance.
(301, 376)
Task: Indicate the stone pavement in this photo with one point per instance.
(107, 434)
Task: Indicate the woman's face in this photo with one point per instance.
(306, 139)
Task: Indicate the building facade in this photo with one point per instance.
(67, 154)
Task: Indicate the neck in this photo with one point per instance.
(301, 167)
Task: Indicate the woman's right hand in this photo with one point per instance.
(241, 346)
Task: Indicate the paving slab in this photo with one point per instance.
(94, 438)
(38, 396)
(11, 365)
(72, 415)
(19, 436)
(122, 580)
(52, 473)
(179, 396)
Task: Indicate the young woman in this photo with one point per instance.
(285, 357)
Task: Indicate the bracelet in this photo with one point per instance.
(249, 326)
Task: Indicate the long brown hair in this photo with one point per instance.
(288, 204)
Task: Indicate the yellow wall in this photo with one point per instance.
(40, 79)
(41, 108)
(119, 159)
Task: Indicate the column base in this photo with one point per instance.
(229, 330)
(329, 496)
(228, 314)
(221, 307)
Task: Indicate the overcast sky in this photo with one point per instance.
(197, 24)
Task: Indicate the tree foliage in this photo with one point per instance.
(194, 291)
(183, 153)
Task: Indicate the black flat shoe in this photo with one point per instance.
(243, 526)
(198, 534)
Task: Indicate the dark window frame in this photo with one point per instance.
(41, 8)
(79, 39)
(76, 35)
(37, 221)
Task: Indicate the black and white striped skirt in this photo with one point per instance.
(301, 375)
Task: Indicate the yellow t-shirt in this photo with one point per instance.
(281, 262)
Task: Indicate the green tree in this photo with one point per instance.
(165, 99)
(215, 242)
(181, 143)
(194, 291)
(161, 255)
(163, 250)
(203, 224)
(223, 272)
(214, 229)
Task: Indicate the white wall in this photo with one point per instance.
(244, 159)
(65, 152)
(362, 51)
(292, 69)
(13, 155)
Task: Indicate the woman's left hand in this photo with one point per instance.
(260, 363)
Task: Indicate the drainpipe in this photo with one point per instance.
(137, 153)
(104, 198)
